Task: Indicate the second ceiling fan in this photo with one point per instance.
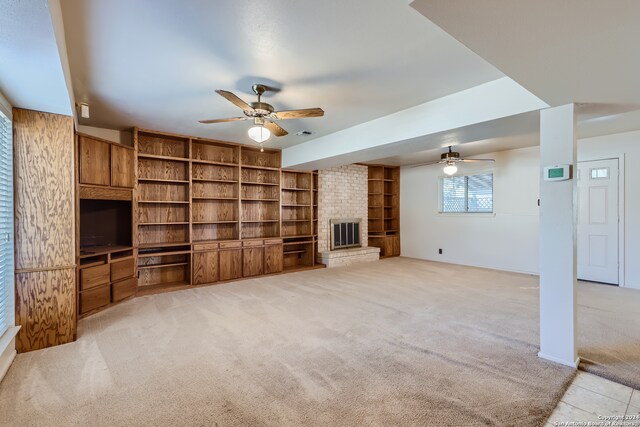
(262, 114)
(449, 159)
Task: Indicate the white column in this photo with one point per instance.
(558, 209)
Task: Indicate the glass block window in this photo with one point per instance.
(467, 194)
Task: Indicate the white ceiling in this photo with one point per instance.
(156, 63)
(31, 74)
(563, 51)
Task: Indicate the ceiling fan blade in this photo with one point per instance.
(299, 114)
(234, 99)
(231, 119)
(476, 160)
(435, 162)
(275, 129)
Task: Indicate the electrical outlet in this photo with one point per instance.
(440, 251)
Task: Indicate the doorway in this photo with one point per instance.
(598, 221)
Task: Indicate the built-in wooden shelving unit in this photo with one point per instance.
(260, 198)
(163, 210)
(297, 219)
(201, 211)
(384, 209)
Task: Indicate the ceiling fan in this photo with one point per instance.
(262, 114)
(450, 158)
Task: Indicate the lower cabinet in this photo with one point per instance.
(123, 289)
(273, 258)
(205, 267)
(252, 264)
(392, 245)
(389, 245)
(235, 259)
(93, 298)
(230, 263)
(111, 281)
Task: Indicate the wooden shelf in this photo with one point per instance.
(214, 222)
(102, 250)
(260, 200)
(296, 220)
(260, 167)
(297, 243)
(228, 181)
(159, 254)
(260, 183)
(158, 157)
(171, 264)
(211, 162)
(294, 252)
(164, 202)
(160, 180)
(296, 189)
(163, 223)
(259, 220)
(214, 198)
(162, 245)
(295, 205)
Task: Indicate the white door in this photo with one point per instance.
(598, 221)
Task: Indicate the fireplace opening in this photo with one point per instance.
(345, 233)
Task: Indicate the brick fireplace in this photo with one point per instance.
(342, 195)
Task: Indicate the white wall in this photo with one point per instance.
(610, 146)
(506, 240)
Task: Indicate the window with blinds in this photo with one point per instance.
(467, 194)
(6, 225)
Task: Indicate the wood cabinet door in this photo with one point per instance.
(230, 264)
(392, 246)
(94, 161)
(121, 167)
(205, 267)
(272, 259)
(252, 262)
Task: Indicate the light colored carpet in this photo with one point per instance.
(609, 332)
(397, 342)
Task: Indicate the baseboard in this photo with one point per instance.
(7, 350)
(484, 267)
(571, 363)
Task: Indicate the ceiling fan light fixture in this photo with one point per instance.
(450, 169)
(259, 133)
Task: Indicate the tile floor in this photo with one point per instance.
(590, 396)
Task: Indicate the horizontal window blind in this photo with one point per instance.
(454, 194)
(480, 193)
(6, 225)
(471, 193)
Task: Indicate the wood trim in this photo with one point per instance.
(104, 193)
(33, 270)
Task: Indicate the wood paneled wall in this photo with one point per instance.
(44, 229)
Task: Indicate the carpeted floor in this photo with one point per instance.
(397, 342)
(609, 332)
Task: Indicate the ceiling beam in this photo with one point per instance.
(408, 130)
